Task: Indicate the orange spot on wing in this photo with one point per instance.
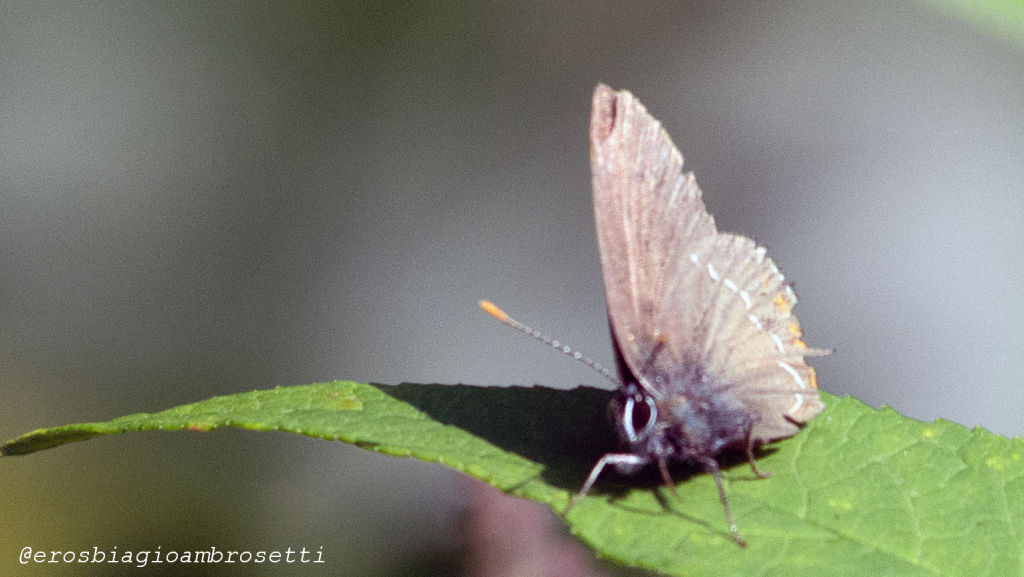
(782, 304)
(794, 329)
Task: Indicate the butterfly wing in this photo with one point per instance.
(681, 296)
(735, 311)
(645, 208)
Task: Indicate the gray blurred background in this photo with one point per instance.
(207, 199)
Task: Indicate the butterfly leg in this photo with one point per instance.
(750, 457)
(618, 460)
(710, 465)
(666, 477)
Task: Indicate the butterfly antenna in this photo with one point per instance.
(493, 310)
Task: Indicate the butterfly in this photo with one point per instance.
(710, 357)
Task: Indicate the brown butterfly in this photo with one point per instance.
(710, 357)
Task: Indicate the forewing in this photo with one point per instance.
(648, 213)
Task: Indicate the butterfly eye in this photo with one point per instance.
(638, 412)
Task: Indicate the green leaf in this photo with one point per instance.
(858, 492)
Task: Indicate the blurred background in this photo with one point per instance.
(201, 199)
